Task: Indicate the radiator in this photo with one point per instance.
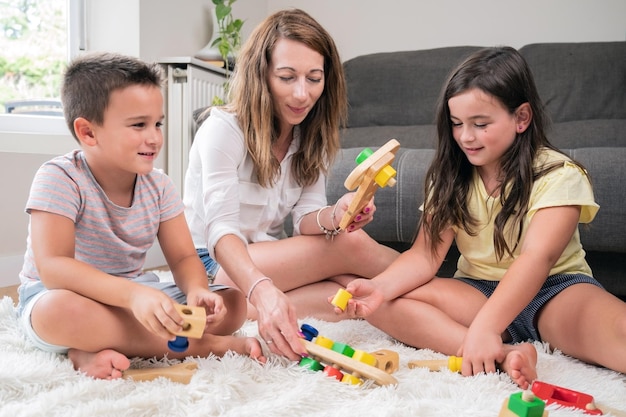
(191, 84)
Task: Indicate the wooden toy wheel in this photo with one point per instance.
(333, 372)
(310, 363)
(351, 379)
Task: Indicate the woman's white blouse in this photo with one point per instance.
(222, 195)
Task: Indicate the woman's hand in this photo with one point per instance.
(277, 321)
(366, 298)
(361, 219)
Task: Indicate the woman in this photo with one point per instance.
(263, 157)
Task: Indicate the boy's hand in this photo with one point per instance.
(156, 312)
(212, 302)
(366, 298)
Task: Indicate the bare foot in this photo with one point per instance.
(520, 363)
(252, 348)
(106, 364)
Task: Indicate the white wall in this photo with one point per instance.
(161, 28)
(367, 26)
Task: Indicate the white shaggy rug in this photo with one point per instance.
(34, 383)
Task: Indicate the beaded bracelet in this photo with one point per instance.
(257, 282)
(330, 233)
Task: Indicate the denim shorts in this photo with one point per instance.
(31, 294)
(210, 264)
(523, 328)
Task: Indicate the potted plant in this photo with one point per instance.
(225, 41)
(228, 40)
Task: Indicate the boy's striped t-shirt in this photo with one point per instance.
(111, 238)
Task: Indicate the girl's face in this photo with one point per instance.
(482, 127)
(296, 81)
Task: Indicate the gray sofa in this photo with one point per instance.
(393, 95)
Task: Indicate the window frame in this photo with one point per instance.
(30, 126)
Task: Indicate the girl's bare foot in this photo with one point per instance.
(520, 363)
(106, 364)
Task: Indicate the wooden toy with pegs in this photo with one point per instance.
(453, 363)
(565, 397)
(180, 373)
(195, 321)
(523, 404)
(345, 363)
(373, 171)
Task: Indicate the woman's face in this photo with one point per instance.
(296, 81)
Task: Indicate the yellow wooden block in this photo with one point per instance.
(195, 321)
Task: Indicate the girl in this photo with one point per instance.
(512, 203)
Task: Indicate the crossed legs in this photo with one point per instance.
(102, 338)
(436, 316)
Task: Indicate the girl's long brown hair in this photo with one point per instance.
(504, 74)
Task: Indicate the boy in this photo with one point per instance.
(94, 213)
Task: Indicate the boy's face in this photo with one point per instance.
(130, 137)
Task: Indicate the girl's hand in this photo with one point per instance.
(156, 311)
(366, 298)
(481, 351)
(212, 302)
(361, 219)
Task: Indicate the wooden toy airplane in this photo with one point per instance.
(346, 364)
(373, 171)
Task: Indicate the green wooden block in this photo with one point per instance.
(524, 408)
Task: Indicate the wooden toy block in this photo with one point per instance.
(523, 404)
(342, 361)
(387, 360)
(180, 373)
(373, 171)
(341, 299)
(195, 321)
(453, 363)
(565, 397)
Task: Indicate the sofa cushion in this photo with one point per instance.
(588, 133)
(579, 81)
(399, 88)
(606, 232)
(417, 137)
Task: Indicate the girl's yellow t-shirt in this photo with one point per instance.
(563, 186)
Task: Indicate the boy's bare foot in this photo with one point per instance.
(106, 364)
(520, 363)
(252, 348)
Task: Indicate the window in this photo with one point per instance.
(35, 50)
